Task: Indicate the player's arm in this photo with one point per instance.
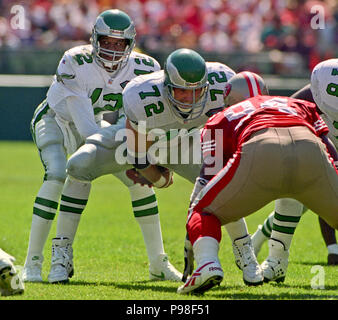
(82, 114)
(70, 87)
(137, 147)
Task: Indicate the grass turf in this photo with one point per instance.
(109, 254)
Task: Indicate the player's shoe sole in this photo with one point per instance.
(207, 285)
(203, 279)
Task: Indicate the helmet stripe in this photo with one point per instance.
(253, 84)
(257, 85)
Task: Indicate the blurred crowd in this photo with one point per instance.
(309, 28)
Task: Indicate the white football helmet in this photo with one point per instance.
(242, 86)
(324, 87)
(116, 24)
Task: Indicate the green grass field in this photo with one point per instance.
(109, 254)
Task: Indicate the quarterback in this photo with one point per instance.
(281, 224)
(87, 87)
(177, 102)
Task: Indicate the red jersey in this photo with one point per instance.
(233, 126)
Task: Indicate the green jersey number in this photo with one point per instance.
(154, 108)
(219, 77)
(147, 62)
(81, 58)
(332, 89)
(115, 97)
(145, 94)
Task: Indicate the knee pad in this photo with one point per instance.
(80, 165)
(47, 132)
(106, 137)
(54, 161)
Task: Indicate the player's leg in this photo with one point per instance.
(315, 185)
(204, 232)
(145, 209)
(285, 220)
(329, 236)
(237, 230)
(262, 233)
(49, 141)
(73, 201)
(10, 281)
(94, 159)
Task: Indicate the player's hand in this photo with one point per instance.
(134, 175)
(188, 259)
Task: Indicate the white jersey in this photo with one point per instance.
(82, 92)
(79, 75)
(144, 102)
(324, 88)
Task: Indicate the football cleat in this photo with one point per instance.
(10, 281)
(332, 259)
(163, 270)
(62, 261)
(32, 269)
(275, 266)
(203, 278)
(246, 261)
(257, 239)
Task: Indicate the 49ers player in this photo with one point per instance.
(262, 143)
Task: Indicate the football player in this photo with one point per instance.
(10, 280)
(88, 84)
(279, 227)
(169, 107)
(272, 147)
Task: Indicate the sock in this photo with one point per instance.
(237, 229)
(333, 248)
(267, 225)
(73, 201)
(286, 218)
(145, 210)
(205, 250)
(44, 211)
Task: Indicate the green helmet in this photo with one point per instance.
(186, 69)
(116, 24)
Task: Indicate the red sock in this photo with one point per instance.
(203, 224)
